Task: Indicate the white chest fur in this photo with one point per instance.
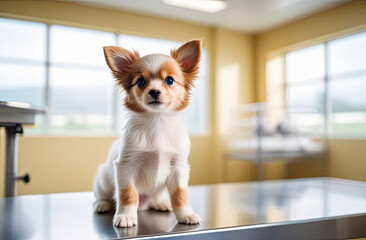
(156, 132)
(154, 145)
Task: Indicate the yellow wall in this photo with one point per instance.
(347, 159)
(50, 160)
(60, 164)
(234, 74)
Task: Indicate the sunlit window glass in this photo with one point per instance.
(79, 46)
(80, 100)
(81, 86)
(305, 64)
(347, 55)
(22, 40)
(333, 85)
(73, 80)
(21, 82)
(305, 93)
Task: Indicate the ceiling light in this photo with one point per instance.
(211, 6)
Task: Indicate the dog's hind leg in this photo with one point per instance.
(103, 191)
(161, 201)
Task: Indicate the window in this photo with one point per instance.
(326, 85)
(305, 88)
(22, 61)
(64, 69)
(78, 71)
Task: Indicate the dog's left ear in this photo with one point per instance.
(188, 56)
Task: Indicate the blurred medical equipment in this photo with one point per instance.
(261, 132)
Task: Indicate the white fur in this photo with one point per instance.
(152, 155)
(153, 62)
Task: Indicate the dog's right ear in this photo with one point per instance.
(120, 61)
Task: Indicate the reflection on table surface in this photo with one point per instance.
(70, 215)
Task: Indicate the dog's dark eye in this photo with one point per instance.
(141, 82)
(169, 80)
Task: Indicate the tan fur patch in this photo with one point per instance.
(188, 56)
(180, 89)
(172, 68)
(120, 61)
(184, 101)
(139, 70)
(129, 196)
(179, 198)
(132, 103)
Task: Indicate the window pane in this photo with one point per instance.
(80, 100)
(305, 64)
(305, 105)
(348, 106)
(307, 123)
(347, 54)
(196, 114)
(308, 98)
(147, 46)
(24, 40)
(22, 83)
(79, 46)
(349, 123)
(348, 95)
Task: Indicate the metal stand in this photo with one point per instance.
(12, 136)
(260, 131)
(12, 116)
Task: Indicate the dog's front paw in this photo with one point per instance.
(187, 216)
(124, 220)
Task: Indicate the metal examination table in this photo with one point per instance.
(313, 208)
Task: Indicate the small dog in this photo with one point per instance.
(148, 167)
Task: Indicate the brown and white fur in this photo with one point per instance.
(148, 167)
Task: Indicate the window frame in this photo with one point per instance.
(327, 114)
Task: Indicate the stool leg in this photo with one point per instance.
(12, 133)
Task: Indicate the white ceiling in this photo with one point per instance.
(252, 16)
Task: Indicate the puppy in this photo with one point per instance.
(148, 167)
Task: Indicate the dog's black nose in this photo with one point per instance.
(154, 94)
